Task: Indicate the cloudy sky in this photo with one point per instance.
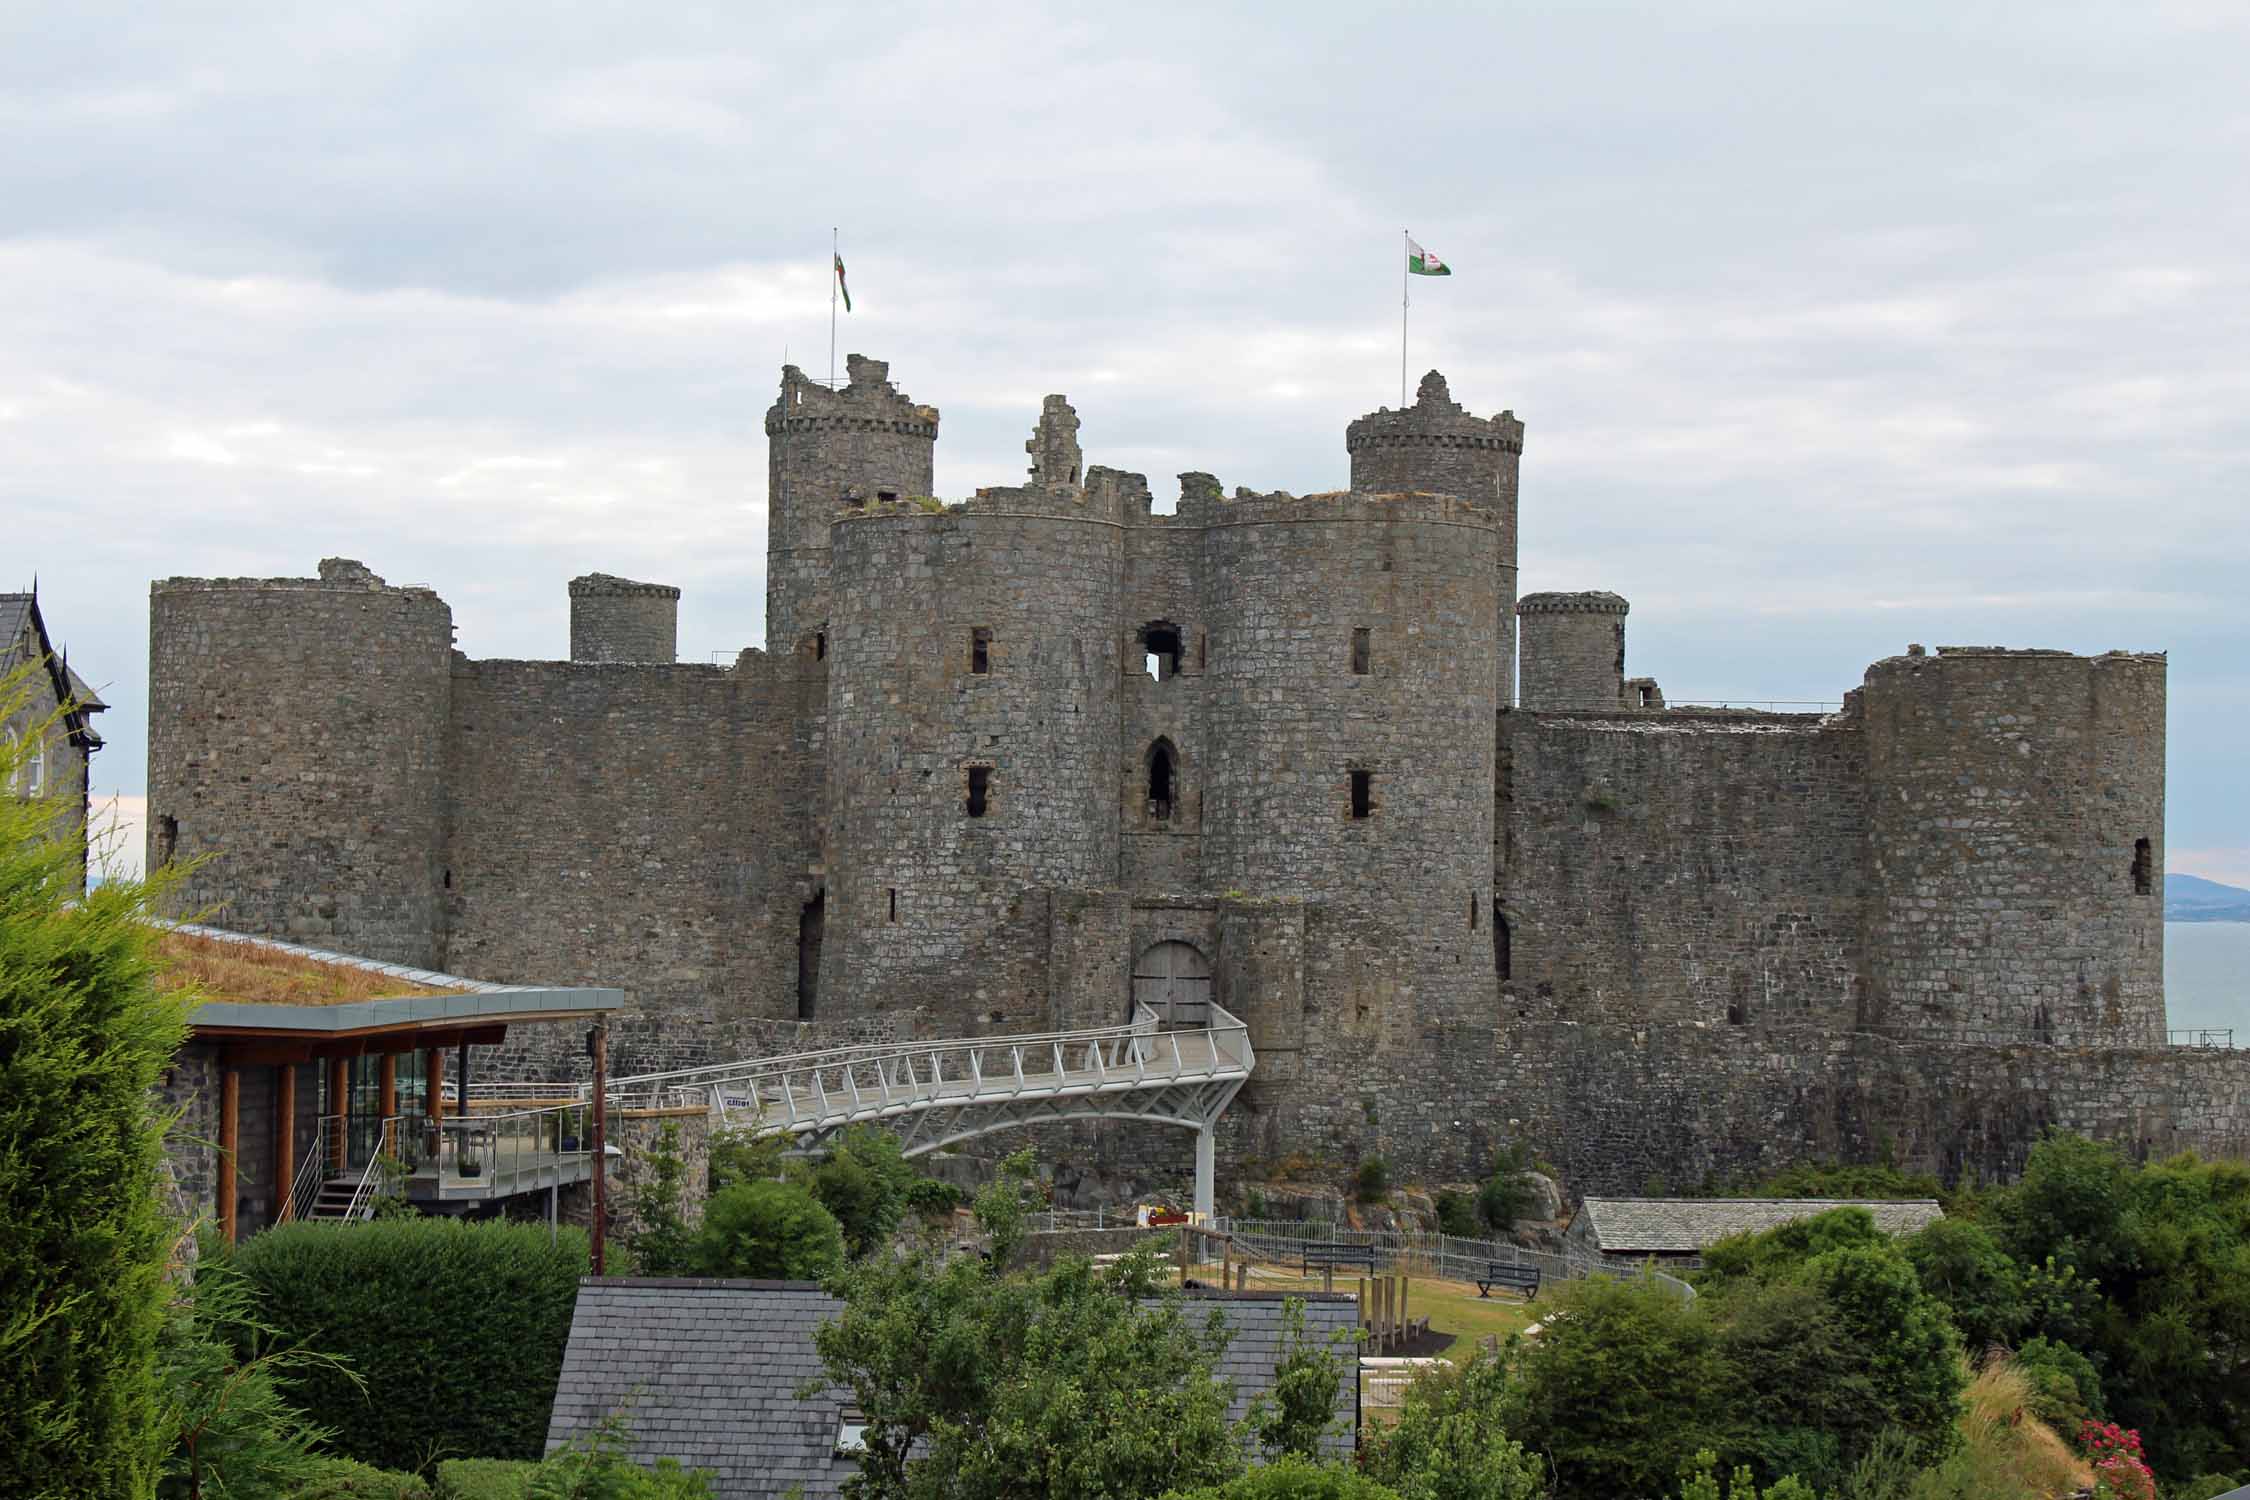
(1835, 327)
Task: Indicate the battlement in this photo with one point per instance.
(1435, 420)
(1584, 602)
(869, 403)
(338, 575)
(1202, 504)
(610, 586)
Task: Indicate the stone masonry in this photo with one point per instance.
(1008, 762)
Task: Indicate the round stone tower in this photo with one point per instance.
(1438, 447)
(2016, 842)
(973, 705)
(296, 744)
(616, 619)
(1573, 650)
(825, 450)
(1350, 694)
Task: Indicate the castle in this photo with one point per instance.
(1007, 763)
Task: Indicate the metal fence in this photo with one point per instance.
(1449, 1257)
(2201, 1038)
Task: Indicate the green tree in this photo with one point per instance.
(1702, 1483)
(660, 1240)
(227, 1376)
(1962, 1265)
(865, 1181)
(1449, 1442)
(1301, 1409)
(1505, 1196)
(741, 1156)
(84, 1036)
(768, 1229)
(1624, 1384)
(981, 1382)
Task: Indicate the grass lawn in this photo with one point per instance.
(1451, 1306)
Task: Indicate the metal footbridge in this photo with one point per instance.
(934, 1094)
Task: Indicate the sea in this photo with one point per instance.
(2207, 977)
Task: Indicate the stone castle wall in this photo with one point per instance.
(1642, 941)
(297, 748)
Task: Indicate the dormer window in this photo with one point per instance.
(851, 1432)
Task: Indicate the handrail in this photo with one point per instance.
(364, 1190)
(312, 1172)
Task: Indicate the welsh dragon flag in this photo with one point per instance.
(842, 285)
(1422, 263)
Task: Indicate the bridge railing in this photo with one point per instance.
(815, 1090)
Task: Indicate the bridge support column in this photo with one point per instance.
(1206, 1173)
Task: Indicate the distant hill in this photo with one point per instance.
(2191, 898)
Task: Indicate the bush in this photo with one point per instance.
(485, 1479)
(1505, 1196)
(2062, 1386)
(1372, 1182)
(346, 1479)
(83, 1239)
(933, 1199)
(1457, 1214)
(775, 1230)
(864, 1181)
(659, 1241)
(1292, 1479)
(1448, 1442)
(457, 1329)
(1963, 1266)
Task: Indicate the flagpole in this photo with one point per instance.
(834, 250)
(1405, 239)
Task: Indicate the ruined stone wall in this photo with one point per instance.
(927, 903)
(616, 619)
(297, 745)
(1684, 866)
(1622, 1109)
(1165, 586)
(2016, 845)
(824, 448)
(1573, 651)
(632, 825)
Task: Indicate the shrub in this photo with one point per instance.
(2061, 1384)
(1301, 1409)
(933, 1199)
(864, 1181)
(766, 1229)
(1292, 1479)
(84, 1037)
(1505, 1196)
(1963, 1266)
(485, 1479)
(659, 1241)
(457, 1329)
(347, 1479)
(1448, 1442)
(1372, 1181)
(1457, 1214)
(1702, 1483)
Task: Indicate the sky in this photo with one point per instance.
(1834, 327)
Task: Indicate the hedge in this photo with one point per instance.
(457, 1329)
(347, 1479)
(485, 1479)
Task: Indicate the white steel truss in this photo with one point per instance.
(935, 1094)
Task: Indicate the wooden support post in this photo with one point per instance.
(230, 1116)
(1402, 1286)
(1226, 1264)
(340, 1109)
(1183, 1255)
(599, 1041)
(1328, 1278)
(433, 1098)
(389, 1088)
(284, 1138)
(1366, 1319)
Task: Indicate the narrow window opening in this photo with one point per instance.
(1736, 1015)
(1363, 794)
(1503, 957)
(812, 923)
(820, 645)
(894, 903)
(1362, 650)
(1648, 695)
(167, 839)
(980, 787)
(1161, 766)
(1202, 650)
(2144, 868)
(1473, 905)
(888, 496)
(980, 650)
(449, 878)
(1163, 649)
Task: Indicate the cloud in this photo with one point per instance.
(1833, 329)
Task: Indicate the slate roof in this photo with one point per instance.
(709, 1370)
(14, 609)
(1683, 1226)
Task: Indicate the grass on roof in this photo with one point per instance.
(254, 974)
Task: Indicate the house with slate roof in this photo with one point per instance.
(1680, 1229)
(708, 1372)
(54, 726)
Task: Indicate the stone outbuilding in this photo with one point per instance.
(1681, 1229)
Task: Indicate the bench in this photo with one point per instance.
(1524, 1279)
(1332, 1256)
